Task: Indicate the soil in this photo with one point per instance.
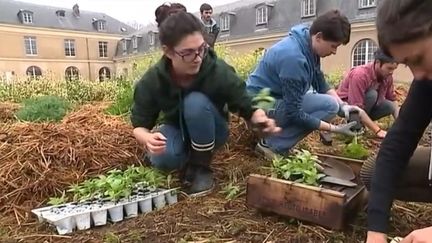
(217, 219)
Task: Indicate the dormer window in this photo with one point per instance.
(134, 42)
(308, 8)
(367, 3)
(225, 22)
(151, 36)
(99, 24)
(61, 13)
(124, 45)
(262, 13)
(26, 16)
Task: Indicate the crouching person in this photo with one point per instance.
(191, 86)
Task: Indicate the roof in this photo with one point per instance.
(45, 16)
(229, 7)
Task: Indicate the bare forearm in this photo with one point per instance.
(324, 126)
(367, 121)
(397, 108)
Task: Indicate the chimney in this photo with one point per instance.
(76, 11)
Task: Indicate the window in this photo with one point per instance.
(151, 38)
(69, 48)
(61, 13)
(308, 8)
(225, 22)
(124, 46)
(367, 3)
(135, 42)
(101, 25)
(103, 49)
(261, 15)
(27, 17)
(30, 45)
(104, 74)
(34, 72)
(363, 52)
(71, 74)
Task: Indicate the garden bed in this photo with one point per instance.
(30, 182)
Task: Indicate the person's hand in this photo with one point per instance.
(419, 236)
(344, 129)
(155, 143)
(346, 109)
(381, 134)
(376, 237)
(263, 123)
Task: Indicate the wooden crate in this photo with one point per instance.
(329, 206)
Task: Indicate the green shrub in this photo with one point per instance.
(79, 91)
(334, 78)
(123, 100)
(43, 109)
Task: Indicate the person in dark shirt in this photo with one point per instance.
(192, 88)
(210, 25)
(403, 170)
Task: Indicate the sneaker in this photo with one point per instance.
(202, 183)
(264, 150)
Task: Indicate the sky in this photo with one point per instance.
(128, 11)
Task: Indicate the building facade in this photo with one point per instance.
(248, 25)
(40, 40)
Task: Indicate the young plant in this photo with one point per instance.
(231, 191)
(300, 167)
(57, 200)
(355, 150)
(117, 188)
(263, 100)
(78, 191)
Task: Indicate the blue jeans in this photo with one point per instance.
(205, 127)
(321, 106)
(375, 110)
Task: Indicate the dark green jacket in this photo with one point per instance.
(156, 92)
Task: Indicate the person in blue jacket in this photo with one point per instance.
(291, 69)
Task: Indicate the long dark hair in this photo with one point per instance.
(177, 26)
(166, 9)
(402, 21)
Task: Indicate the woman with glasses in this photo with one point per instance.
(192, 88)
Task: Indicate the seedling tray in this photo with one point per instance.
(70, 217)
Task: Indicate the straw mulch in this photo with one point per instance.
(7, 111)
(37, 161)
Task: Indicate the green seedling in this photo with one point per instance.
(231, 191)
(57, 200)
(119, 184)
(263, 100)
(299, 167)
(355, 150)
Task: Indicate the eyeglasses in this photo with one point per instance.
(189, 55)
